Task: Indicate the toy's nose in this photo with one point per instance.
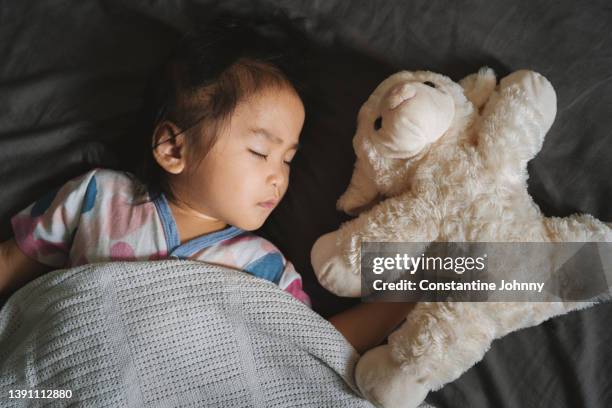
(399, 94)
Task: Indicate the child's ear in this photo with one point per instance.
(168, 146)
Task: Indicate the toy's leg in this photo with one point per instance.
(336, 256)
(578, 228)
(591, 280)
(438, 343)
(382, 381)
(516, 119)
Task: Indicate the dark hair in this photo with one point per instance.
(209, 72)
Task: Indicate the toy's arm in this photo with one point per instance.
(360, 192)
(336, 256)
(516, 118)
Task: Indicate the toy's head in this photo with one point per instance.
(405, 116)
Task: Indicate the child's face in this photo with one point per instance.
(246, 173)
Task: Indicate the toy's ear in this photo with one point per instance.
(361, 191)
(478, 87)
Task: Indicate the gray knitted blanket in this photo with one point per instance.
(169, 334)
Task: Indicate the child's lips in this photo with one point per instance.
(268, 204)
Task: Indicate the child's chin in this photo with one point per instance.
(250, 225)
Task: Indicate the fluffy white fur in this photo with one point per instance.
(450, 164)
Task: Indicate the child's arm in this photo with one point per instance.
(16, 269)
(368, 324)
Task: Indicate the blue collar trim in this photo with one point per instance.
(185, 250)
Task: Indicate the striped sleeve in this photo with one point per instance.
(291, 281)
(274, 267)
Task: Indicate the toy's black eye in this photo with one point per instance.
(378, 123)
(428, 83)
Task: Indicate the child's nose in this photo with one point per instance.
(277, 179)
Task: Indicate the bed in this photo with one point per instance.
(72, 80)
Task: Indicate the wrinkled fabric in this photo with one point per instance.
(72, 77)
(170, 334)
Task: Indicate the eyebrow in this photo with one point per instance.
(273, 138)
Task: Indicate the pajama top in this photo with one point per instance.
(93, 218)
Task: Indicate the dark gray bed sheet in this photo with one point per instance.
(71, 82)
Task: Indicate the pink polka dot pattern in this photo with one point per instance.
(295, 289)
(122, 251)
(23, 227)
(32, 246)
(126, 218)
(267, 246)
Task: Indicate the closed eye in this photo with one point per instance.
(265, 157)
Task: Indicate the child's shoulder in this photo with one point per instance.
(110, 175)
(98, 185)
(105, 180)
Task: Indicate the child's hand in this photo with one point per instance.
(366, 325)
(16, 269)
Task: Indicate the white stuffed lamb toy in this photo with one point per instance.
(450, 160)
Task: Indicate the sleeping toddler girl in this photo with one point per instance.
(219, 155)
